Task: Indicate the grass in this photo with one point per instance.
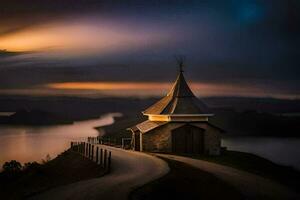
(256, 165)
(67, 168)
(185, 182)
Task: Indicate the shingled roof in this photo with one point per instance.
(179, 100)
(148, 126)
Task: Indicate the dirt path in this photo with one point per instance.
(250, 185)
(129, 170)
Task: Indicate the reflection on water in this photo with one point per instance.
(284, 151)
(29, 143)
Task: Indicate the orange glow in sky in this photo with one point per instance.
(159, 89)
(109, 86)
(142, 89)
(78, 37)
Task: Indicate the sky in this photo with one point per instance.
(126, 48)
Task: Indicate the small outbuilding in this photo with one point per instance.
(178, 123)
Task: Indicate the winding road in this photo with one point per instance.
(130, 170)
(250, 185)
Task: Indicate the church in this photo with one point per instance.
(177, 123)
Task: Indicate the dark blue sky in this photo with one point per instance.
(239, 43)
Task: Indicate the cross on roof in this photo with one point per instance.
(180, 60)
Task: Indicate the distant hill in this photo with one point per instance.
(78, 108)
(75, 108)
(267, 105)
(237, 115)
(5, 53)
(33, 117)
(253, 123)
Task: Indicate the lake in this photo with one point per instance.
(285, 151)
(31, 143)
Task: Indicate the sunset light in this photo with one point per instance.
(109, 86)
(149, 99)
(79, 37)
(158, 88)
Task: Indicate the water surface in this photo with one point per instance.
(32, 143)
(285, 151)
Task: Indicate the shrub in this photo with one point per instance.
(31, 166)
(12, 167)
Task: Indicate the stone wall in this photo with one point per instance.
(212, 139)
(160, 140)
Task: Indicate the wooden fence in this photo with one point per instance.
(93, 152)
(124, 143)
(99, 140)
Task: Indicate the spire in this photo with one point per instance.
(180, 87)
(180, 60)
(179, 100)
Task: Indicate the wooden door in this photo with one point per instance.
(188, 139)
(198, 140)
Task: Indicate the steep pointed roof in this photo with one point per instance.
(179, 100)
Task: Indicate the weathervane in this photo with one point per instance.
(180, 60)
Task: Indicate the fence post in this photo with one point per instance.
(89, 155)
(105, 159)
(109, 162)
(92, 158)
(90, 151)
(82, 145)
(83, 148)
(101, 157)
(86, 149)
(97, 155)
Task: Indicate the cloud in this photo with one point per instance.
(83, 37)
(226, 42)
